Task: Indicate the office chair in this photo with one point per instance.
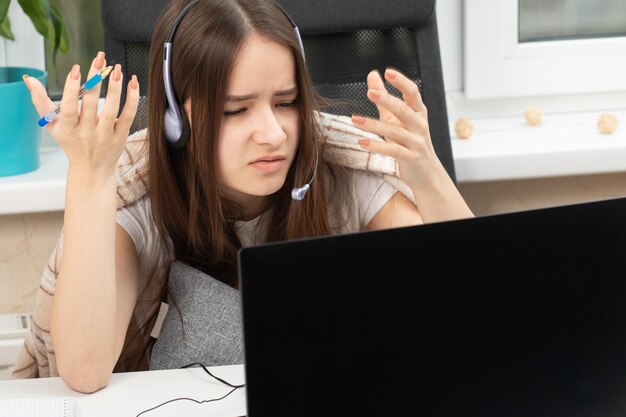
(128, 28)
(343, 41)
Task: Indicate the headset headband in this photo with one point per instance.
(175, 121)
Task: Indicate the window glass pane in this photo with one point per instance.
(548, 20)
(84, 24)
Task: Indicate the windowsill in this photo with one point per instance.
(566, 144)
(37, 191)
(499, 149)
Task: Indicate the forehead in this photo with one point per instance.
(262, 65)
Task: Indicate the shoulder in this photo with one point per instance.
(353, 181)
(354, 196)
(132, 169)
(339, 147)
(136, 218)
(140, 208)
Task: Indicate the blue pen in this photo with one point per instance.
(89, 84)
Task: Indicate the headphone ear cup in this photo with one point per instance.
(171, 126)
(184, 135)
(177, 130)
(185, 131)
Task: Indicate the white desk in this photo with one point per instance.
(130, 393)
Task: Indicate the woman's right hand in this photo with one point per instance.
(93, 143)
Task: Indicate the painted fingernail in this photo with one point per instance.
(133, 82)
(358, 120)
(117, 73)
(374, 94)
(363, 142)
(390, 74)
(25, 78)
(75, 74)
(99, 61)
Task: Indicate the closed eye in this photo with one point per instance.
(234, 112)
(292, 103)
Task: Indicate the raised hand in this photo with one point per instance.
(404, 125)
(92, 142)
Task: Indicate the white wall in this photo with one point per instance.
(450, 25)
(27, 49)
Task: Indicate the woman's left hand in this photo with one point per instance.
(403, 123)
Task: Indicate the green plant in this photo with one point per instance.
(46, 18)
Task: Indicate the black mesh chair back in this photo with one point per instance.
(128, 28)
(340, 77)
(343, 40)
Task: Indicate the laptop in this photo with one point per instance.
(520, 314)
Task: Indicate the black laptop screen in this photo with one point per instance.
(521, 314)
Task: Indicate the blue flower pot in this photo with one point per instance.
(19, 133)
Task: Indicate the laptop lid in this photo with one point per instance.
(520, 314)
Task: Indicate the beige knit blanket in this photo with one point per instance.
(37, 357)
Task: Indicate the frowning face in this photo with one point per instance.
(259, 134)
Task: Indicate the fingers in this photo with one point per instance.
(408, 112)
(69, 103)
(394, 105)
(130, 107)
(89, 108)
(404, 122)
(410, 91)
(390, 131)
(38, 95)
(112, 102)
(404, 115)
(375, 82)
(396, 151)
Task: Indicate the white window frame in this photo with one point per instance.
(28, 48)
(497, 65)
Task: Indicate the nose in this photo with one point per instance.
(269, 129)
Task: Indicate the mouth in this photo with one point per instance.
(269, 163)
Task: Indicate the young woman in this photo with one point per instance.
(253, 136)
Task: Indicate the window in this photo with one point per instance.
(84, 24)
(521, 48)
(27, 49)
(540, 20)
(83, 19)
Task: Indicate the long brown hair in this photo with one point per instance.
(184, 189)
